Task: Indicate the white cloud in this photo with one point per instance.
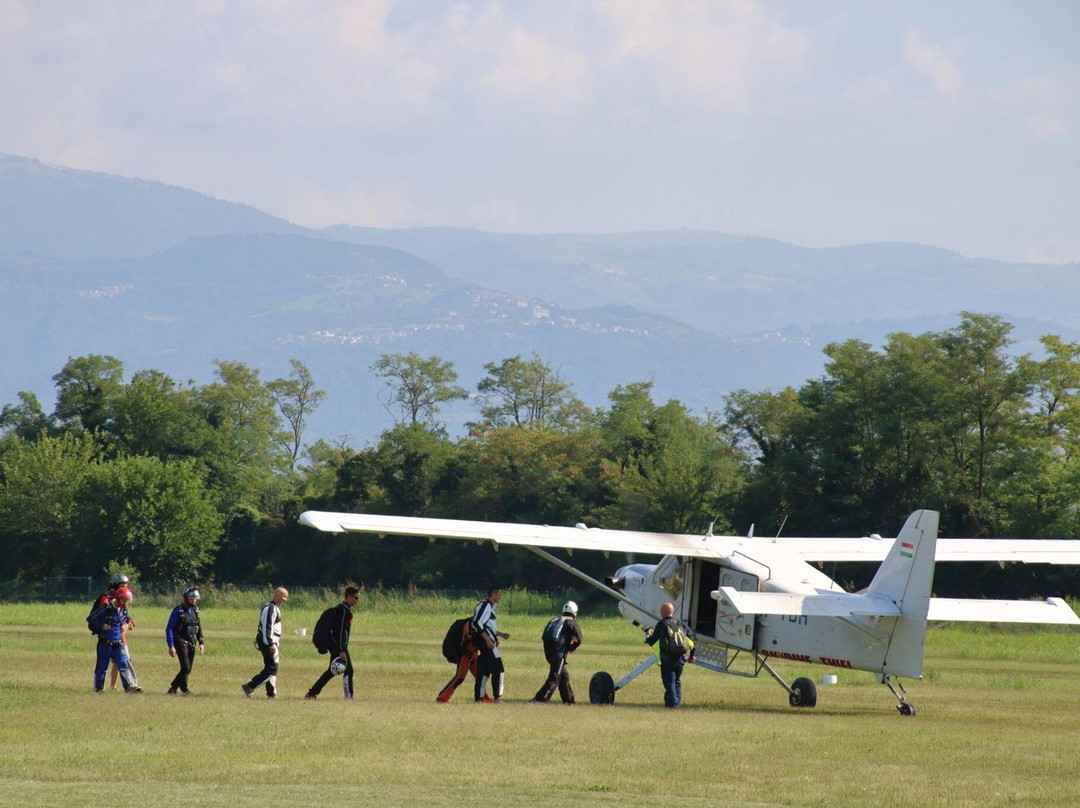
(708, 53)
(934, 62)
(1045, 104)
(535, 74)
(14, 18)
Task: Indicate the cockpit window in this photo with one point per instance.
(671, 577)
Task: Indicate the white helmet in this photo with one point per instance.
(337, 667)
(570, 608)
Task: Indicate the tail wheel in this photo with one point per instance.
(803, 693)
(602, 688)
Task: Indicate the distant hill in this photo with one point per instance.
(166, 278)
(65, 213)
(736, 286)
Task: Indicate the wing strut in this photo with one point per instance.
(607, 590)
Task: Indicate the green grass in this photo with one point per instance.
(998, 717)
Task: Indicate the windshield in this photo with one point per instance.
(671, 577)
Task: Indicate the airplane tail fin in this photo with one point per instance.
(906, 577)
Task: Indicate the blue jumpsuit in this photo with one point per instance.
(111, 647)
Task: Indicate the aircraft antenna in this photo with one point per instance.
(779, 529)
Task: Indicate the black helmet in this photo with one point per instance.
(191, 593)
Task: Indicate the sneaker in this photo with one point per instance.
(271, 695)
(442, 700)
(247, 690)
(310, 697)
(171, 691)
(134, 690)
(185, 692)
(487, 699)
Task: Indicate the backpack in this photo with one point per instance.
(451, 644)
(553, 632)
(320, 637)
(674, 641)
(95, 621)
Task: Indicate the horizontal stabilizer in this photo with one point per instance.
(1051, 610)
(875, 548)
(839, 604)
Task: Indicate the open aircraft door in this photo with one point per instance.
(712, 620)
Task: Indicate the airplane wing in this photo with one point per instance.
(1045, 551)
(1030, 551)
(1051, 610)
(571, 538)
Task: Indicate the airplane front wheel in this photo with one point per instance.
(602, 688)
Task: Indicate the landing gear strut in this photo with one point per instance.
(602, 687)
(904, 707)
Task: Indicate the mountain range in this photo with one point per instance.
(166, 278)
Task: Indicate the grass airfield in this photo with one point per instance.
(997, 724)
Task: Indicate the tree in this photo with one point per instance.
(85, 389)
(520, 393)
(417, 387)
(1040, 479)
(296, 398)
(538, 475)
(773, 430)
(152, 415)
(157, 515)
(26, 420)
(665, 469)
(980, 408)
(243, 423)
(38, 484)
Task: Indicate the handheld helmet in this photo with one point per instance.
(119, 580)
(191, 593)
(570, 608)
(337, 667)
(124, 594)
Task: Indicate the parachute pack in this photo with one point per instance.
(452, 642)
(95, 621)
(320, 637)
(674, 641)
(553, 631)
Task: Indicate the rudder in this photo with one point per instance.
(906, 577)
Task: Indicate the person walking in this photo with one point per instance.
(675, 644)
(489, 682)
(183, 633)
(340, 661)
(110, 619)
(468, 654)
(268, 641)
(116, 582)
(561, 637)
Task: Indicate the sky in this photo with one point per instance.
(955, 124)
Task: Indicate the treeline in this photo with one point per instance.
(183, 482)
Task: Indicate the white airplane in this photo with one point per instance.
(751, 600)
